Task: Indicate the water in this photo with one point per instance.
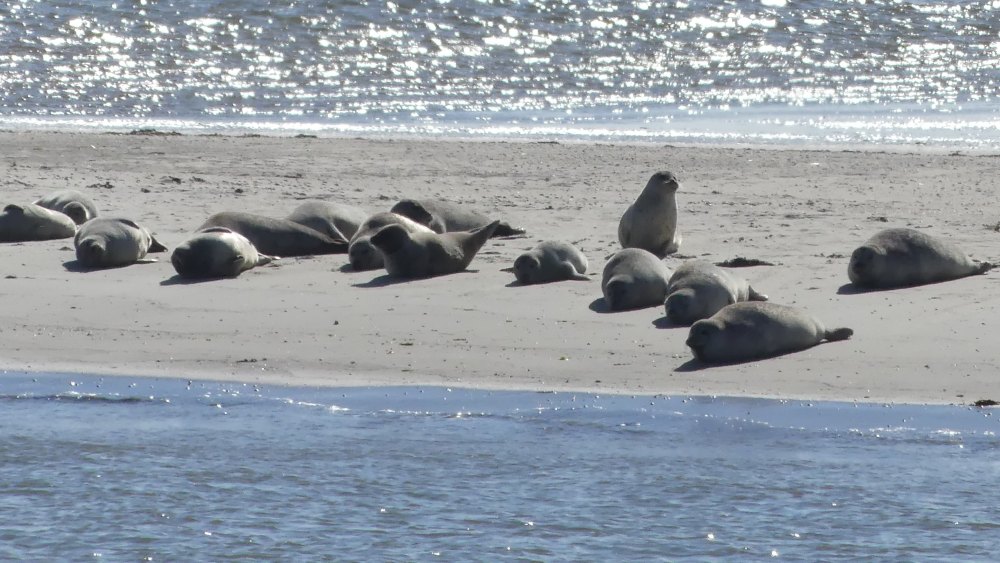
(785, 72)
(130, 469)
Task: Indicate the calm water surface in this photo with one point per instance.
(132, 469)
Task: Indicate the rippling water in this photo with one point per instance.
(820, 71)
(143, 469)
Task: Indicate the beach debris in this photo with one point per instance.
(101, 185)
(879, 218)
(741, 262)
(985, 403)
(150, 132)
(171, 180)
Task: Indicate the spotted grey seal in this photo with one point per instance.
(20, 223)
(551, 261)
(634, 278)
(754, 329)
(216, 252)
(650, 222)
(277, 237)
(698, 289)
(106, 242)
(362, 253)
(78, 206)
(901, 257)
(420, 255)
(446, 216)
(336, 220)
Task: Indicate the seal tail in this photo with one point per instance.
(476, 238)
(838, 334)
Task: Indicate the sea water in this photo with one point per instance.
(169, 470)
(787, 72)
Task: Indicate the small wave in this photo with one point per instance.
(85, 397)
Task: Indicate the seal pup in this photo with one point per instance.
(277, 237)
(421, 255)
(754, 329)
(650, 222)
(633, 279)
(362, 253)
(110, 242)
(550, 261)
(336, 220)
(445, 217)
(698, 289)
(903, 257)
(78, 206)
(216, 252)
(21, 223)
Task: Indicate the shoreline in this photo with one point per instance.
(303, 321)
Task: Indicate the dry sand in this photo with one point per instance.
(304, 321)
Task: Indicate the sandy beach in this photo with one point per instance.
(308, 321)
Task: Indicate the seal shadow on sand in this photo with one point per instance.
(599, 305)
(665, 322)
(386, 280)
(850, 289)
(176, 279)
(76, 267)
(694, 364)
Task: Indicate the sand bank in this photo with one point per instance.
(305, 321)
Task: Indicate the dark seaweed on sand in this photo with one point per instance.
(741, 262)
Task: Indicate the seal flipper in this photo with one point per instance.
(504, 229)
(569, 272)
(983, 267)
(155, 245)
(753, 295)
(838, 334)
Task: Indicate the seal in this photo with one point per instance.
(650, 223)
(110, 242)
(902, 257)
(362, 253)
(445, 216)
(633, 279)
(277, 237)
(753, 329)
(216, 252)
(550, 261)
(22, 223)
(78, 206)
(336, 220)
(421, 255)
(698, 289)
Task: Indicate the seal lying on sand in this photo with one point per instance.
(651, 222)
(336, 220)
(110, 242)
(751, 330)
(698, 289)
(277, 237)
(71, 202)
(362, 253)
(551, 261)
(634, 278)
(445, 217)
(901, 257)
(216, 252)
(421, 255)
(20, 223)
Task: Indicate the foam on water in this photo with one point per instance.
(155, 468)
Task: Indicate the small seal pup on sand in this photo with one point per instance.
(550, 261)
(21, 223)
(277, 237)
(421, 255)
(902, 257)
(634, 278)
(698, 289)
(362, 253)
(445, 217)
(336, 220)
(651, 222)
(216, 252)
(754, 329)
(107, 242)
(78, 206)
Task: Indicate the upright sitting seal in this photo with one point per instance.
(421, 255)
(336, 220)
(651, 222)
(751, 330)
(698, 289)
(216, 252)
(20, 223)
(279, 237)
(362, 253)
(78, 206)
(550, 261)
(902, 257)
(110, 242)
(634, 278)
(445, 217)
